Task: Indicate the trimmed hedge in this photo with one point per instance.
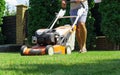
(90, 27)
(110, 25)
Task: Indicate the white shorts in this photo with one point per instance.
(73, 12)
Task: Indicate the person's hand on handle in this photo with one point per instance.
(63, 4)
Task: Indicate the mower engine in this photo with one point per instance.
(46, 37)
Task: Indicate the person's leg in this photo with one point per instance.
(81, 31)
(81, 35)
(78, 36)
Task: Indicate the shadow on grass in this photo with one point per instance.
(104, 67)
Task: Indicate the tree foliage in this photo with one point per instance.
(110, 25)
(2, 8)
(90, 26)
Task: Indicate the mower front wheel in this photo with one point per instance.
(49, 50)
(68, 50)
(22, 49)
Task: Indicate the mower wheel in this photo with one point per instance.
(68, 50)
(22, 50)
(49, 50)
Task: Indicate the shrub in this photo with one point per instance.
(2, 8)
(90, 26)
(110, 25)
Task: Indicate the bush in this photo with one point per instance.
(90, 31)
(110, 25)
(2, 8)
(90, 26)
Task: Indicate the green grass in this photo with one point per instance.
(90, 63)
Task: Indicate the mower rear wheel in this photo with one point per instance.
(68, 50)
(22, 50)
(50, 50)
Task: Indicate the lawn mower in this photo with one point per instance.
(59, 40)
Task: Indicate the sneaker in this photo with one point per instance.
(84, 50)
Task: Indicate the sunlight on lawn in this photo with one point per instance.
(90, 63)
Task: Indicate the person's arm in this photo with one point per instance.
(78, 1)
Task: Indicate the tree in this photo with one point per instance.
(2, 8)
(110, 25)
(7, 12)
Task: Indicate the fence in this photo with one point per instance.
(9, 29)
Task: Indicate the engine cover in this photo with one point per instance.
(47, 37)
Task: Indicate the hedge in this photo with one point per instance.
(110, 25)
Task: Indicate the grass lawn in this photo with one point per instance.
(90, 63)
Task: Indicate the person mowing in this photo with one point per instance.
(81, 31)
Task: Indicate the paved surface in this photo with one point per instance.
(10, 48)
